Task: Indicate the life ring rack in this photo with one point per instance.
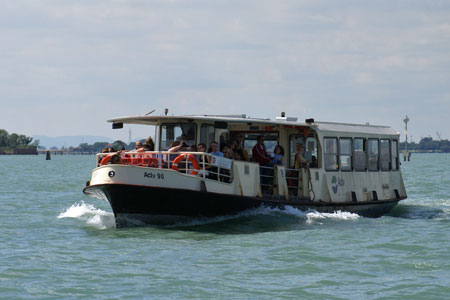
(189, 157)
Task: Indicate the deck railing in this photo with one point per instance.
(209, 166)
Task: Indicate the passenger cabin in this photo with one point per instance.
(343, 162)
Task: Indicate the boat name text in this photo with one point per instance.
(154, 175)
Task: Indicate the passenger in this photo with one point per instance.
(105, 150)
(278, 154)
(215, 149)
(237, 156)
(239, 147)
(299, 159)
(313, 163)
(139, 147)
(227, 152)
(116, 159)
(149, 145)
(202, 148)
(193, 148)
(259, 152)
(260, 156)
(178, 146)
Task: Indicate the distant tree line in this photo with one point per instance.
(15, 140)
(99, 146)
(428, 144)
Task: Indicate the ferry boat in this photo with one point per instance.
(341, 167)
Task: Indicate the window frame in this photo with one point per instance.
(350, 154)
(389, 166)
(325, 154)
(364, 147)
(207, 143)
(395, 155)
(377, 155)
(161, 126)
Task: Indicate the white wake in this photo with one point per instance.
(92, 216)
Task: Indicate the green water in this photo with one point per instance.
(56, 243)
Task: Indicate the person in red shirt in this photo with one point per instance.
(259, 152)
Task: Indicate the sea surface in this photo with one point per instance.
(57, 243)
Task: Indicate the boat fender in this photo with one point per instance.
(191, 158)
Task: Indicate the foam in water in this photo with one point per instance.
(103, 219)
(91, 215)
(311, 215)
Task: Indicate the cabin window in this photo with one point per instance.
(373, 155)
(310, 154)
(359, 150)
(385, 155)
(207, 134)
(177, 132)
(345, 154)
(394, 151)
(331, 154)
(270, 141)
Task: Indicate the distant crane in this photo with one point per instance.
(438, 135)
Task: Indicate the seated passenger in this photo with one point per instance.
(278, 158)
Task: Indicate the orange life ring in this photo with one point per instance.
(109, 157)
(191, 158)
(106, 159)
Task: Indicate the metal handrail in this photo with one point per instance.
(165, 160)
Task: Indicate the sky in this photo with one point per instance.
(68, 66)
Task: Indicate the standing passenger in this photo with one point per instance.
(278, 158)
(215, 149)
(259, 152)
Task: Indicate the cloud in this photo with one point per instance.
(330, 60)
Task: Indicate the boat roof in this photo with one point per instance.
(243, 119)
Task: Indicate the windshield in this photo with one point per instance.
(177, 132)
